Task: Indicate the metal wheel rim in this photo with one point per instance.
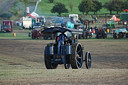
(79, 56)
(88, 60)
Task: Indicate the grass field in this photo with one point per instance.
(45, 6)
(22, 62)
(18, 36)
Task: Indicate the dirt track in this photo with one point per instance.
(22, 63)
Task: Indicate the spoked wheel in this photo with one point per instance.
(88, 60)
(67, 66)
(48, 60)
(77, 56)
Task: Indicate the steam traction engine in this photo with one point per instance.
(65, 50)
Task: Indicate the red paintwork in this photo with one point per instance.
(7, 26)
(36, 33)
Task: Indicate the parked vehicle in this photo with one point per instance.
(7, 26)
(41, 20)
(37, 25)
(87, 34)
(74, 18)
(101, 33)
(120, 33)
(27, 23)
(18, 23)
(66, 50)
(36, 34)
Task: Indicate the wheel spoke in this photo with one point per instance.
(79, 58)
(79, 54)
(79, 64)
(78, 51)
(89, 64)
(89, 60)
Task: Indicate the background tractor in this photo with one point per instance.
(120, 33)
(36, 34)
(101, 33)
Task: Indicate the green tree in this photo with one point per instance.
(17, 9)
(125, 5)
(114, 5)
(109, 6)
(97, 6)
(59, 8)
(26, 2)
(51, 1)
(71, 5)
(6, 15)
(86, 6)
(117, 5)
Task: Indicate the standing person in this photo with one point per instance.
(103, 33)
(23, 28)
(96, 30)
(87, 32)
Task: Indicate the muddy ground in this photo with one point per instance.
(22, 63)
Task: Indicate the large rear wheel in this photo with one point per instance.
(77, 56)
(48, 60)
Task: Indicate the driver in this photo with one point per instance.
(60, 41)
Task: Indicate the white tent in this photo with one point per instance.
(33, 15)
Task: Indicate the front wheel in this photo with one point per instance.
(88, 60)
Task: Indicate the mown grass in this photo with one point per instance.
(15, 67)
(10, 36)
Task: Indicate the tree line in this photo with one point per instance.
(94, 6)
(84, 7)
